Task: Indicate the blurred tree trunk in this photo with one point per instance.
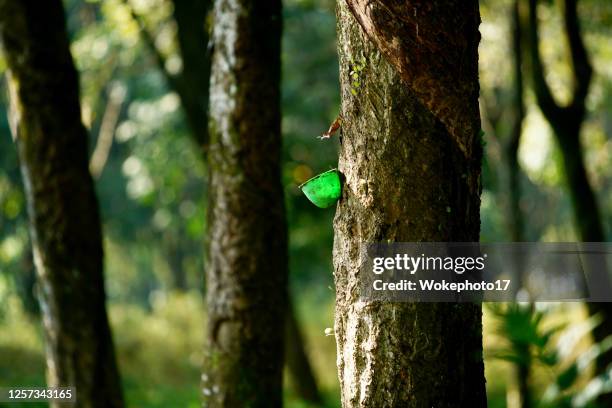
(174, 253)
(65, 224)
(193, 83)
(566, 122)
(411, 159)
(511, 147)
(296, 359)
(247, 237)
(511, 150)
(509, 140)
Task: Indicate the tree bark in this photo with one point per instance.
(410, 175)
(566, 122)
(64, 219)
(247, 238)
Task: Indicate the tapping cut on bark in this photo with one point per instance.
(434, 54)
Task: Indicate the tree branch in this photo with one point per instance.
(519, 105)
(191, 85)
(511, 150)
(116, 96)
(544, 96)
(149, 41)
(433, 63)
(582, 69)
(193, 40)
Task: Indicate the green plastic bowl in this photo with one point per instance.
(323, 190)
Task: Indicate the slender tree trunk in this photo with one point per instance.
(522, 368)
(586, 211)
(511, 149)
(410, 175)
(247, 237)
(193, 83)
(174, 253)
(65, 223)
(296, 359)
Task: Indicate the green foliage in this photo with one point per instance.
(531, 342)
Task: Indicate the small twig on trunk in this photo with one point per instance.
(333, 128)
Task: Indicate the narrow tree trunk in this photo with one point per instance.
(193, 83)
(512, 146)
(65, 224)
(297, 361)
(409, 176)
(174, 252)
(586, 211)
(192, 86)
(247, 237)
(522, 368)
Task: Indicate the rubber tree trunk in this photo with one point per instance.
(247, 238)
(410, 175)
(192, 86)
(64, 219)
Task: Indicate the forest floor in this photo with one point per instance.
(160, 351)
